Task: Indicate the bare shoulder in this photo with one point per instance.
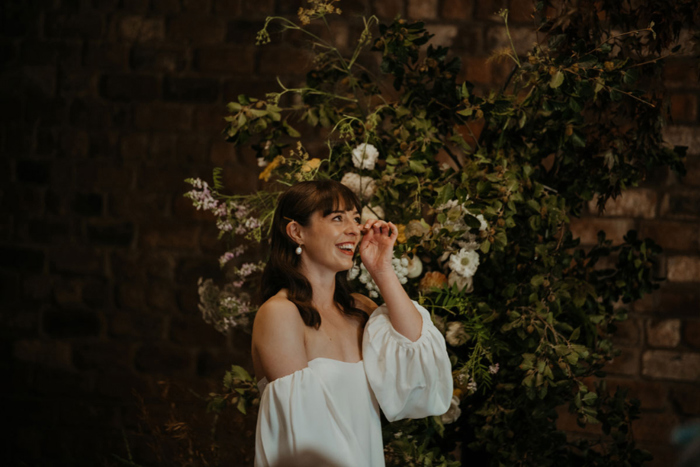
(364, 303)
(276, 317)
(278, 338)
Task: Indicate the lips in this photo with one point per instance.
(347, 248)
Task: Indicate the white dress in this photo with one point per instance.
(332, 406)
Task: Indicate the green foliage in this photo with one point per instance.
(498, 177)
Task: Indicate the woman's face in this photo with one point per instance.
(330, 241)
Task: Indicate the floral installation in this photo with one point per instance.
(484, 240)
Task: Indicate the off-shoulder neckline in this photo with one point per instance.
(264, 378)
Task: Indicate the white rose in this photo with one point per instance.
(363, 187)
(415, 267)
(364, 156)
(456, 335)
(453, 412)
(463, 283)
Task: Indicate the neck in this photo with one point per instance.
(323, 288)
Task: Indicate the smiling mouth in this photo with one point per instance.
(347, 248)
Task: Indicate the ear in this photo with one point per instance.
(295, 232)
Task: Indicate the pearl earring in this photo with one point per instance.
(298, 250)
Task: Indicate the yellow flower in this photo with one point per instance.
(401, 238)
(432, 279)
(265, 174)
(310, 165)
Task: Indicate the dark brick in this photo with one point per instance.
(88, 414)
(136, 326)
(17, 322)
(46, 142)
(191, 89)
(165, 179)
(264, 8)
(37, 52)
(686, 396)
(169, 235)
(71, 323)
(88, 204)
(129, 87)
(213, 363)
(196, 6)
(196, 30)
(110, 56)
(226, 60)
(131, 296)
(95, 292)
(284, 61)
(77, 260)
(190, 270)
(138, 206)
(681, 204)
(193, 331)
(158, 58)
(388, 9)
(64, 382)
(21, 259)
(85, 25)
(159, 116)
(139, 29)
(142, 265)
(257, 88)
(209, 118)
(651, 394)
(679, 299)
(243, 32)
(134, 147)
(161, 297)
(96, 115)
(110, 233)
(49, 231)
(9, 288)
(521, 11)
(227, 7)
(165, 6)
(163, 358)
(95, 175)
(122, 384)
(110, 355)
(33, 171)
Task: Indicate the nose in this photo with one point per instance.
(353, 228)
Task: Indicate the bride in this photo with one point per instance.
(328, 359)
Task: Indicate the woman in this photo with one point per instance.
(328, 359)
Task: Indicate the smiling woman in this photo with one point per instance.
(326, 359)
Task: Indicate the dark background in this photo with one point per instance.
(108, 105)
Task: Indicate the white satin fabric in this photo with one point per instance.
(333, 406)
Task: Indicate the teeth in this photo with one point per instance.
(345, 247)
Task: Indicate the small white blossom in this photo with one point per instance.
(484, 225)
(414, 267)
(262, 162)
(452, 413)
(363, 187)
(364, 156)
(464, 262)
(493, 369)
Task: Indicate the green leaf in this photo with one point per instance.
(557, 80)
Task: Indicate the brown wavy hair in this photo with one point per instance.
(299, 202)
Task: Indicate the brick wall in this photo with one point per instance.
(107, 105)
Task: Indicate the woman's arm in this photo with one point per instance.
(278, 339)
(376, 252)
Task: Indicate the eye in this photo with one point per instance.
(339, 217)
(358, 220)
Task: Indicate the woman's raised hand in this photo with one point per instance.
(377, 246)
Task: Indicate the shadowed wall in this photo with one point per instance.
(108, 105)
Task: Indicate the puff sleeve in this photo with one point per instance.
(409, 379)
(297, 413)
